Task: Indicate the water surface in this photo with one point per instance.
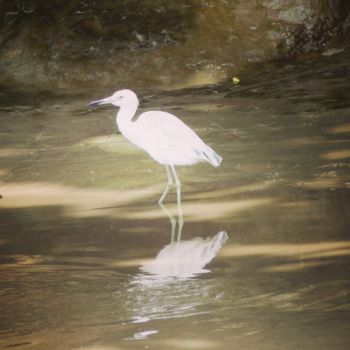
(79, 219)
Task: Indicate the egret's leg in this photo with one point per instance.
(181, 222)
(178, 196)
(172, 221)
(177, 184)
(169, 184)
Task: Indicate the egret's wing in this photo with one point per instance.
(169, 140)
(167, 126)
(168, 133)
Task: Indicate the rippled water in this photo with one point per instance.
(81, 230)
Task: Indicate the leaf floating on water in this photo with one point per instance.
(139, 37)
(235, 80)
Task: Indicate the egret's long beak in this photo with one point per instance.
(104, 101)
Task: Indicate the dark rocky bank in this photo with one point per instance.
(160, 43)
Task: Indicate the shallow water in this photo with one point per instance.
(79, 220)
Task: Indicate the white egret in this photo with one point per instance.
(163, 136)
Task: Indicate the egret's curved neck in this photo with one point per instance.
(125, 115)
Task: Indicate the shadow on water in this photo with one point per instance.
(89, 261)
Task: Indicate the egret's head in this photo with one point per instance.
(119, 99)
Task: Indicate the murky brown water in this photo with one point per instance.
(80, 226)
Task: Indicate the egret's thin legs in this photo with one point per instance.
(178, 196)
(168, 185)
(177, 184)
(172, 221)
(181, 222)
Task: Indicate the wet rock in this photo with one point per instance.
(157, 42)
(296, 15)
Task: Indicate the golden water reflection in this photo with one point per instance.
(339, 129)
(306, 255)
(296, 256)
(85, 202)
(338, 154)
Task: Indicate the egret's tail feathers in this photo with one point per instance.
(218, 240)
(212, 157)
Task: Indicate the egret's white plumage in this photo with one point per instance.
(163, 136)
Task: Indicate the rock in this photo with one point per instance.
(296, 15)
(159, 42)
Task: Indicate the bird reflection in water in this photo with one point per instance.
(166, 286)
(182, 258)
